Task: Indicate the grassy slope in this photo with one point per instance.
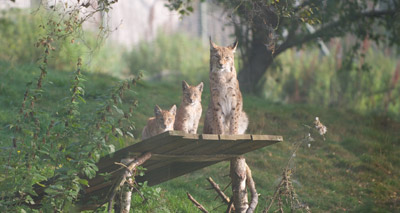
(356, 168)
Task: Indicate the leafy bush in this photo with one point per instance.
(169, 56)
(50, 151)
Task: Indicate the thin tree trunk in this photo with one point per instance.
(238, 176)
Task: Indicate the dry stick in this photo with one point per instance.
(230, 206)
(215, 186)
(197, 204)
(252, 186)
(120, 181)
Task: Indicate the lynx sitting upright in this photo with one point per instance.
(162, 122)
(189, 112)
(224, 114)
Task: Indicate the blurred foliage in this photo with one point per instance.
(20, 29)
(173, 57)
(370, 83)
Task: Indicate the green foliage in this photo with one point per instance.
(167, 58)
(20, 30)
(305, 76)
(51, 151)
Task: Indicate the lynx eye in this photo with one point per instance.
(226, 58)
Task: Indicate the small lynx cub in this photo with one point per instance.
(162, 122)
(224, 114)
(189, 112)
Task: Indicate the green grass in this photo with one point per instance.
(355, 169)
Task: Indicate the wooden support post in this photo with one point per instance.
(125, 178)
(238, 176)
(241, 180)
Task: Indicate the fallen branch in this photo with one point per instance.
(215, 186)
(123, 178)
(197, 204)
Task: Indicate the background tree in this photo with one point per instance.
(266, 28)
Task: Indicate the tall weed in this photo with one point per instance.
(365, 82)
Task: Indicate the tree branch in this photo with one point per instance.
(326, 30)
(197, 204)
(218, 190)
(252, 187)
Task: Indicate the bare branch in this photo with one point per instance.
(326, 30)
(252, 187)
(215, 186)
(197, 204)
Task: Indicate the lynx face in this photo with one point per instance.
(222, 58)
(165, 118)
(192, 94)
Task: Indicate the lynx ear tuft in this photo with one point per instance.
(185, 85)
(200, 86)
(212, 45)
(157, 111)
(173, 110)
(234, 46)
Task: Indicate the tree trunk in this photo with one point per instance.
(257, 59)
(238, 176)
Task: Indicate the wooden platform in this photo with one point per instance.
(173, 154)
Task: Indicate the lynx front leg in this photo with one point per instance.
(234, 124)
(218, 121)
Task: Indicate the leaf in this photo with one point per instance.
(118, 110)
(81, 99)
(130, 134)
(119, 131)
(84, 182)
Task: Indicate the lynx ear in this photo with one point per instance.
(200, 86)
(234, 45)
(212, 45)
(184, 85)
(173, 110)
(157, 111)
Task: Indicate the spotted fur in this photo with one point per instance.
(225, 113)
(189, 112)
(163, 121)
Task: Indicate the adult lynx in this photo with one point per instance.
(162, 122)
(224, 114)
(189, 112)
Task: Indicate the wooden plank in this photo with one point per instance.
(145, 145)
(107, 165)
(191, 158)
(267, 138)
(172, 171)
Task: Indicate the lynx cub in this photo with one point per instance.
(162, 122)
(224, 114)
(189, 112)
